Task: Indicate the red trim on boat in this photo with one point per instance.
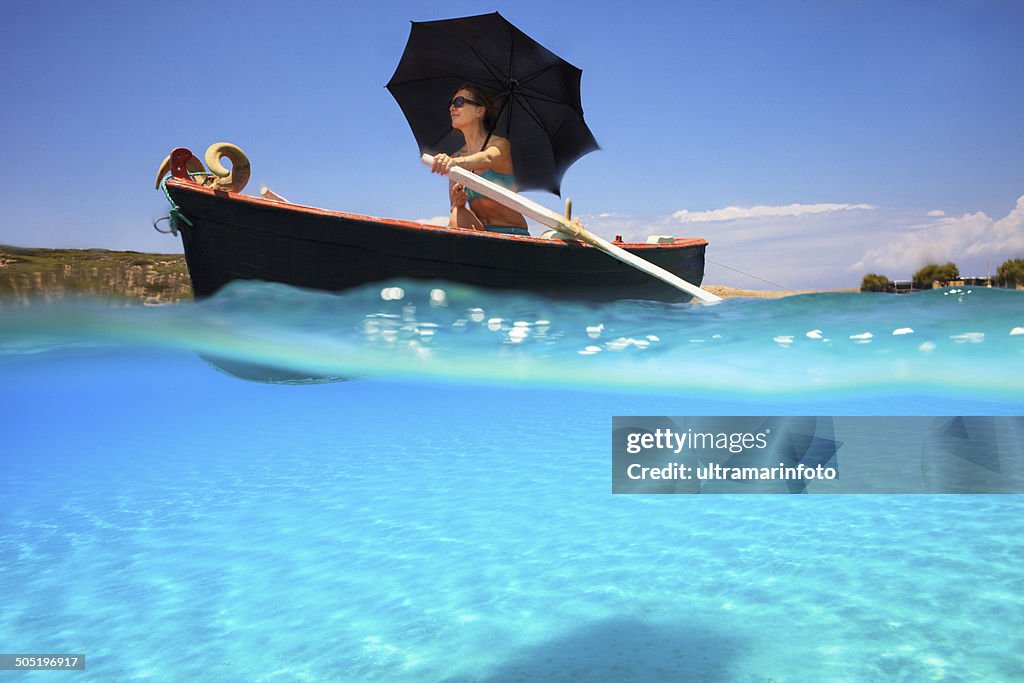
(461, 232)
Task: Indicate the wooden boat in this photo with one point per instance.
(230, 236)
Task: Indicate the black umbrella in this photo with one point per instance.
(537, 92)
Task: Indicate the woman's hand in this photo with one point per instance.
(442, 164)
(458, 195)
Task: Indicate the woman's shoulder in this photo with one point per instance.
(504, 162)
(499, 141)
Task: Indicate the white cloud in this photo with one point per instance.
(731, 213)
(937, 213)
(767, 252)
(831, 248)
(436, 220)
(976, 242)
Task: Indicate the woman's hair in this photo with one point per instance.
(480, 95)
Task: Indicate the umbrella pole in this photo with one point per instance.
(533, 210)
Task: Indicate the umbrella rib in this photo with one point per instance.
(511, 54)
(511, 77)
(538, 72)
(535, 94)
(433, 78)
(545, 98)
(532, 114)
(423, 79)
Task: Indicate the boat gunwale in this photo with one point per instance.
(677, 243)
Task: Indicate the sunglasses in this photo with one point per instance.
(460, 100)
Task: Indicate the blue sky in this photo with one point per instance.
(809, 142)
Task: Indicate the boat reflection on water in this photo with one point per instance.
(266, 374)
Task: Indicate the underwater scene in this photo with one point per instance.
(412, 482)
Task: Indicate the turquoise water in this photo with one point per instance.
(447, 515)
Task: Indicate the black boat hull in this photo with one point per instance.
(235, 237)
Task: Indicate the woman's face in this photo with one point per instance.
(466, 115)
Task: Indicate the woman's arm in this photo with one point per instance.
(485, 159)
(496, 156)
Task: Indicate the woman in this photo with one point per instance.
(472, 112)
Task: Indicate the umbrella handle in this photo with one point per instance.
(545, 216)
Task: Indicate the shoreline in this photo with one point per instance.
(27, 273)
(151, 278)
(728, 292)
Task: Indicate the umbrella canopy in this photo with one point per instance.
(537, 93)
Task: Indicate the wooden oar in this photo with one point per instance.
(533, 210)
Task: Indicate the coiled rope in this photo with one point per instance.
(175, 217)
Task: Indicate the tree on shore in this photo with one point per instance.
(924, 278)
(1011, 273)
(873, 282)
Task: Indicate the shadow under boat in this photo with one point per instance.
(267, 374)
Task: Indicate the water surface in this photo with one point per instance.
(448, 515)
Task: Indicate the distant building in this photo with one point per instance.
(908, 287)
(901, 287)
(963, 282)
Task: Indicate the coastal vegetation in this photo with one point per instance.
(27, 274)
(873, 282)
(1011, 273)
(924, 278)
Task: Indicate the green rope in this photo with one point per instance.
(176, 213)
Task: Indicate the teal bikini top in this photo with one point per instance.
(504, 179)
